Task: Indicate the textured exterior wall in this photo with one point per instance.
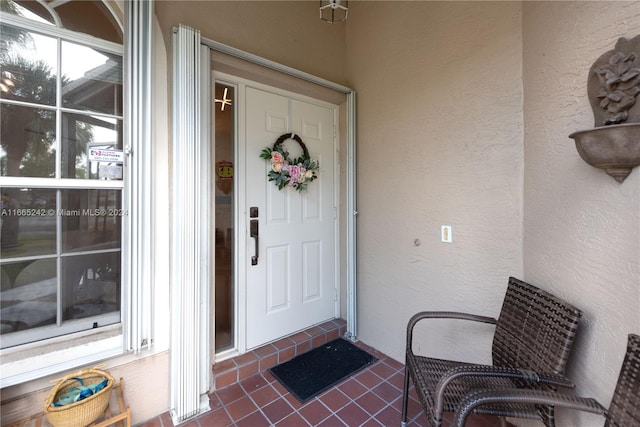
(288, 32)
(581, 228)
(439, 143)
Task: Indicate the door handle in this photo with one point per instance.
(253, 232)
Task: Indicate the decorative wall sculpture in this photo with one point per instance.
(613, 87)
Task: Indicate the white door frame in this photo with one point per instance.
(351, 208)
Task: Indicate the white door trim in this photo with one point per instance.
(351, 224)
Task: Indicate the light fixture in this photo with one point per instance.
(334, 10)
(224, 101)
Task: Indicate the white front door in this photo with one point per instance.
(292, 283)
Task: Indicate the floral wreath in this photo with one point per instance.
(296, 173)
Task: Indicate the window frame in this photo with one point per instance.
(133, 333)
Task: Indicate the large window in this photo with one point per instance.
(62, 169)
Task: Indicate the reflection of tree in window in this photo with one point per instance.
(58, 99)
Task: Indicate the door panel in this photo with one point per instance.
(292, 286)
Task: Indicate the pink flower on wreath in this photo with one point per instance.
(294, 174)
(277, 161)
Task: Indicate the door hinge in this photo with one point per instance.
(335, 294)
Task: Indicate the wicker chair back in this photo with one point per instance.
(535, 329)
(625, 405)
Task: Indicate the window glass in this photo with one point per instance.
(28, 63)
(29, 9)
(90, 285)
(91, 219)
(92, 79)
(28, 141)
(29, 297)
(28, 222)
(225, 124)
(80, 135)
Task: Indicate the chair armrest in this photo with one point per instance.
(443, 315)
(524, 396)
(495, 371)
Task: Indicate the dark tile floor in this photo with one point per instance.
(372, 397)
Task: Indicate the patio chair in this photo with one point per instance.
(531, 344)
(624, 410)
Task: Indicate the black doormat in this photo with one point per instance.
(311, 373)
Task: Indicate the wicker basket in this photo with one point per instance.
(83, 412)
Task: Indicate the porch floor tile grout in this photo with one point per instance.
(247, 395)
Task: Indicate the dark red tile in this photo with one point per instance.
(293, 401)
(245, 359)
(420, 421)
(303, 346)
(216, 418)
(371, 403)
(332, 334)
(300, 337)
(253, 383)
(268, 362)
(394, 364)
(413, 407)
(166, 420)
(368, 378)
(372, 422)
(387, 392)
(315, 331)
(293, 420)
(352, 388)
(334, 399)
(230, 394)
(332, 421)
(383, 370)
(279, 388)
(264, 396)
(283, 343)
(388, 416)
(224, 366)
(268, 376)
(352, 415)
(254, 420)
(286, 354)
(154, 422)
(248, 370)
(319, 340)
(241, 408)
(314, 412)
(265, 350)
(214, 402)
(372, 398)
(397, 380)
(226, 379)
(328, 326)
(277, 410)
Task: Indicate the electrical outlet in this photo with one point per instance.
(445, 233)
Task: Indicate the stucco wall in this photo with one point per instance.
(581, 228)
(439, 143)
(287, 32)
